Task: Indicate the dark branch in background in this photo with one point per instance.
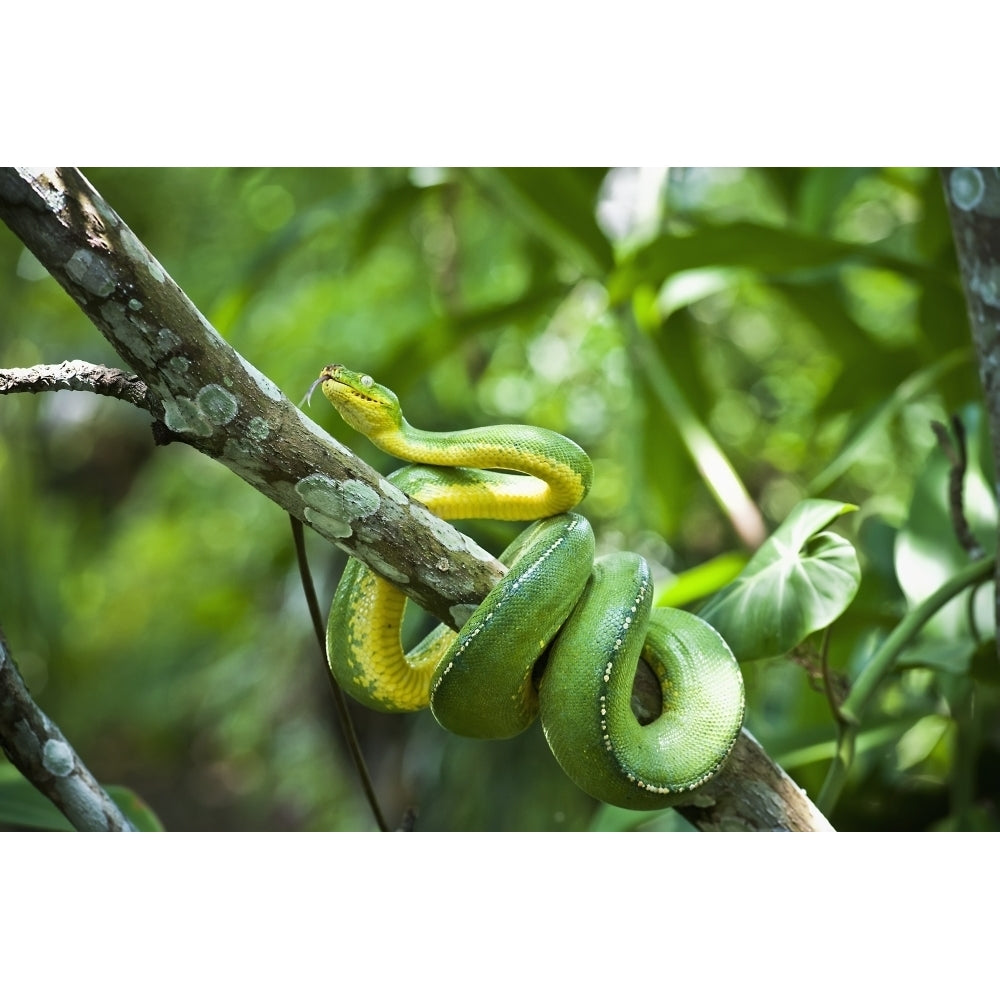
(211, 398)
(36, 747)
(339, 698)
(973, 197)
(958, 458)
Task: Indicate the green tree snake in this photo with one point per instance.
(594, 617)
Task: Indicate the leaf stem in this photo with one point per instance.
(878, 667)
(716, 470)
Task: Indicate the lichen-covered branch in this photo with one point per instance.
(37, 748)
(973, 196)
(205, 394)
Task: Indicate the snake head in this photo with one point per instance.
(364, 405)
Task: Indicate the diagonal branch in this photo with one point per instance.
(203, 393)
(207, 395)
(36, 747)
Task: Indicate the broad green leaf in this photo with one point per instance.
(22, 805)
(135, 809)
(822, 750)
(822, 192)
(538, 300)
(741, 244)
(822, 304)
(700, 581)
(801, 579)
(915, 386)
(714, 466)
(763, 249)
(389, 208)
(612, 819)
(559, 204)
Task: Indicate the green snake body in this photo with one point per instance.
(595, 618)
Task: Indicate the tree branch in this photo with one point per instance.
(751, 793)
(80, 375)
(36, 747)
(973, 196)
(216, 401)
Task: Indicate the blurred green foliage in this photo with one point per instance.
(799, 327)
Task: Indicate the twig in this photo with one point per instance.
(37, 748)
(80, 375)
(958, 458)
(339, 701)
(833, 686)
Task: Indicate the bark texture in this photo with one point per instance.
(973, 196)
(36, 747)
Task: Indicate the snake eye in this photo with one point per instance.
(367, 381)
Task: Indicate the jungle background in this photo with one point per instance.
(723, 342)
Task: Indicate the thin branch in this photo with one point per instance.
(79, 375)
(958, 459)
(37, 748)
(339, 699)
(834, 685)
(216, 401)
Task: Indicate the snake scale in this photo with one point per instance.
(595, 617)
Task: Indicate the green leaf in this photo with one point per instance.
(559, 204)
(817, 751)
(762, 249)
(822, 192)
(801, 579)
(135, 809)
(913, 387)
(23, 805)
(538, 300)
(700, 581)
(740, 244)
(612, 819)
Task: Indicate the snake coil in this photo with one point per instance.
(594, 616)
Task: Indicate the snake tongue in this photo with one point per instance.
(307, 398)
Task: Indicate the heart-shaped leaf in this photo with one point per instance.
(801, 579)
